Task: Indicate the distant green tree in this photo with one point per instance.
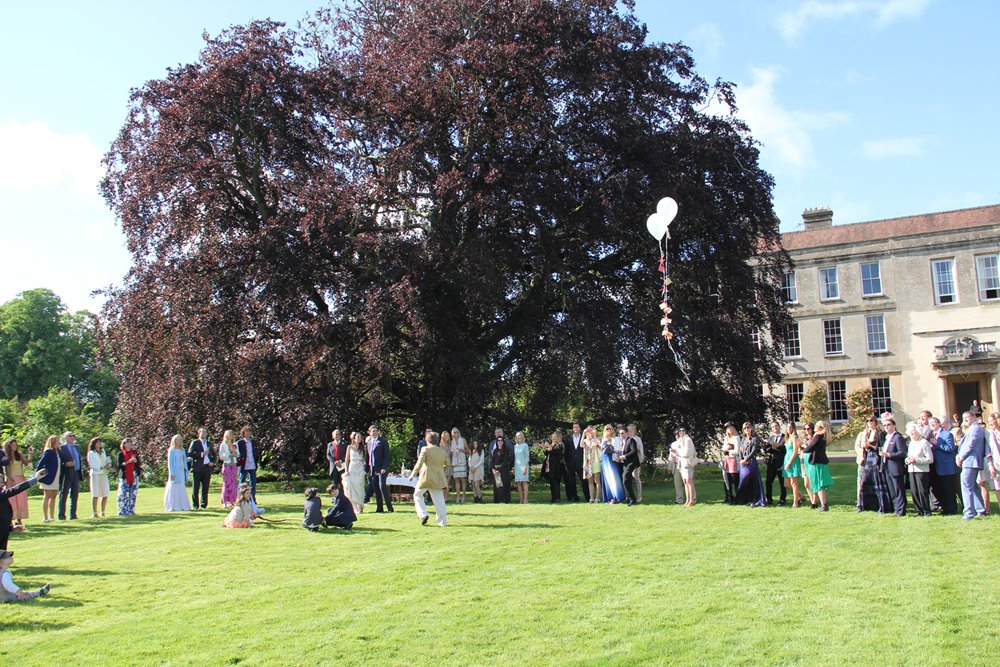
(815, 405)
(43, 346)
(58, 411)
(859, 409)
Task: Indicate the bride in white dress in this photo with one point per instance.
(354, 480)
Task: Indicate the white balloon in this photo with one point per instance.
(657, 226)
(667, 208)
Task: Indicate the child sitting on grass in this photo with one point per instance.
(341, 515)
(242, 515)
(9, 592)
(313, 518)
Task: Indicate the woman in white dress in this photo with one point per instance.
(175, 497)
(459, 464)
(99, 465)
(354, 475)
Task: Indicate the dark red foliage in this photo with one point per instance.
(436, 209)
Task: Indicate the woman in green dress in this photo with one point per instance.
(804, 458)
(792, 469)
(820, 479)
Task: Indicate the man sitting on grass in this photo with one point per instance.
(9, 592)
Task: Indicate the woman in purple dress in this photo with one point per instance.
(750, 489)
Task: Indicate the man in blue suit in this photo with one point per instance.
(895, 466)
(72, 475)
(971, 456)
(943, 444)
(378, 459)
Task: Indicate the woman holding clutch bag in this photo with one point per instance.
(503, 462)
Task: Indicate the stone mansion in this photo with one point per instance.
(909, 307)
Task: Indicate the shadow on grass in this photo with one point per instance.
(109, 524)
(355, 530)
(50, 601)
(503, 526)
(34, 626)
(60, 571)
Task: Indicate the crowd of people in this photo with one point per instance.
(946, 465)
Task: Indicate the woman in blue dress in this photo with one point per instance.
(750, 490)
(175, 497)
(522, 455)
(611, 469)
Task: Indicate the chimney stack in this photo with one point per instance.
(817, 218)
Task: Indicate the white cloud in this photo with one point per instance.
(785, 133)
(792, 24)
(707, 36)
(893, 147)
(34, 156)
(55, 228)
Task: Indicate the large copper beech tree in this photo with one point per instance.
(436, 210)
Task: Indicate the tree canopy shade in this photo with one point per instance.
(435, 209)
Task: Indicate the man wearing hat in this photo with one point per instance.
(9, 592)
(72, 475)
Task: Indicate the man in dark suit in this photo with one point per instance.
(203, 459)
(248, 460)
(378, 460)
(775, 453)
(630, 463)
(336, 450)
(574, 465)
(72, 475)
(895, 466)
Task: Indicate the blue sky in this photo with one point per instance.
(877, 108)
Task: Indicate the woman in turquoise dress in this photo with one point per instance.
(820, 479)
(806, 466)
(522, 455)
(792, 468)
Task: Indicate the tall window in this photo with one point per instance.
(788, 288)
(792, 346)
(833, 341)
(881, 396)
(988, 277)
(838, 400)
(871, 279)
(755, 339)
(793, 396)
(943, 271)
(875, 332)
(829, 285)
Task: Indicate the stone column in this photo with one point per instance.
(943, 396)
(995, 390)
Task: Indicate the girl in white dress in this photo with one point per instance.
(354, 476)
(99, 465)
(476, 472)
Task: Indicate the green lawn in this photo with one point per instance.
(512, 585)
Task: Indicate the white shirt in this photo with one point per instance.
(618, 444)
(204, 449)
(577, 439)
(8, 583)
(251, 463)
(96, 461)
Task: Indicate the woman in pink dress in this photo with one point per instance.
(14, 471)
(229, 455)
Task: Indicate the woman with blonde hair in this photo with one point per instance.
(17, 463)
(229, 455)
(175, 498)
(792, 468)
(729, 464)
(522, 473)
(592, 463)
(99, 465)
(49, 484)
(611, 468)
(459, 464)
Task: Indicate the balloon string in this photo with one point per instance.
(665, 269)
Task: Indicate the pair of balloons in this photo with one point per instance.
(659, 222)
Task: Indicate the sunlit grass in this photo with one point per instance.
(542, 584)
